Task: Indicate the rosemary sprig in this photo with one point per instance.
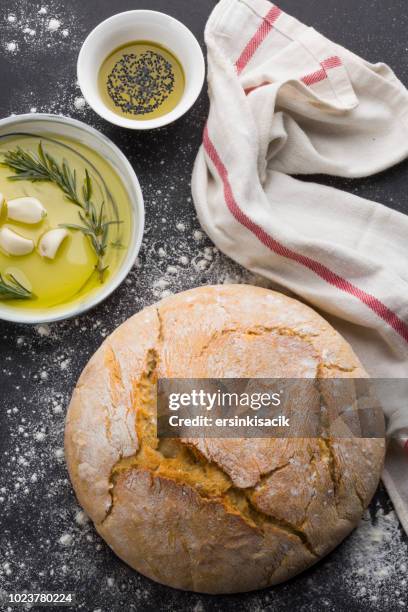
(44, 167)
(13, 289)
(97, 229)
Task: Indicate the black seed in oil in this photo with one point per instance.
(140, 83)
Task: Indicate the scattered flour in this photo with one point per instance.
(11, 47)
(28, 33)
(30, 29)
(378, 558)
(79, 103)
(66, 539)
(40, 436)
(53, 25)
(81, 518)
(43, 330)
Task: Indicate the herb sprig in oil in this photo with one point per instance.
(12, 289)
(44, 167)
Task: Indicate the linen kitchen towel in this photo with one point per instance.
(284, 101)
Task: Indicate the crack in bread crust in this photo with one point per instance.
(258, 330)
(140, 393)
(183, 463)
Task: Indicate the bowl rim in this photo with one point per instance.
(137, 211)
(134, 124)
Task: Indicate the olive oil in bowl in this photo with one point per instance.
(141, 80)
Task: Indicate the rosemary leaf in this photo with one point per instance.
(87, 188)
(12, 289)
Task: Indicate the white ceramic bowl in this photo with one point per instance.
(132, 26)
(76, 130)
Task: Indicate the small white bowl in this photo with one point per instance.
(55, 125)
(129, 27)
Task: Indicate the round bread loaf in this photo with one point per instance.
(215, 515)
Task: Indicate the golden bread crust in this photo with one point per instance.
(215, 515)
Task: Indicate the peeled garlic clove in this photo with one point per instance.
(51, 242)
(26, 210)
(14, 244)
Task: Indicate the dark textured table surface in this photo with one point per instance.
(46, 542)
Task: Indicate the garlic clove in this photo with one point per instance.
(26, 210)
(51, 242)
(14, 244)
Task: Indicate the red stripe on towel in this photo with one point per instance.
(258, 38)
(310, 79)
(314, 77)
(373, 303)
(332, 62)
(321, 75)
